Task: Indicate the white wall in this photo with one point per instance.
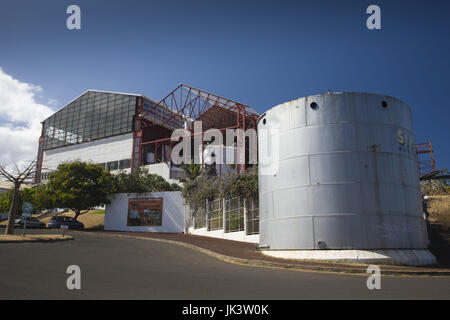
(223, 154)
(162, 169)
(98, 151)
(116, 213)
(236, 236)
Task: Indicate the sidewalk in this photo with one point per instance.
(246, 253)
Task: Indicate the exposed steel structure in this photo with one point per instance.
(178, 110)
(425, 158)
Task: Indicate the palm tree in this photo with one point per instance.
(191, 171)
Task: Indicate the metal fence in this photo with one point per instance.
(252, 216)
(214, 213)
(234, 215)
(199, 219)
(229, 215)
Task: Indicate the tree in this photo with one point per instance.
(437, 185)
(5, 202)
(196, 191)
(41, 198)
(191, 171)
(241, 184)
(78, 186)
(25, 195)
(17, 176)
(142, 181)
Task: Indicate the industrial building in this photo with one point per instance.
(338, 172)
(123, 131)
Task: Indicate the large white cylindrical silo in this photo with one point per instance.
(339, 171)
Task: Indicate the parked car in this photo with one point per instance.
(3, 216)
(31, 222)
(71, 223)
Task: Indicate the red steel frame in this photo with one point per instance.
(40, 155)
(137, 136)
(188, 103)
(425, 165)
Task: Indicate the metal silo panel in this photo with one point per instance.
(347, 175)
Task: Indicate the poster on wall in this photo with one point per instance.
(144, 212)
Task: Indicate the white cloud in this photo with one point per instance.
(52, 102)
(20, 117)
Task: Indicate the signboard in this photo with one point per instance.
(27, 209)
(144, 212)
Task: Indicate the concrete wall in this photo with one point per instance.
(98, 151)
(101, 151)
(162, 169)
(236, 236)
(173, 219)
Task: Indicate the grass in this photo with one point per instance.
(440, 210)
(33, 237)
(92, 220)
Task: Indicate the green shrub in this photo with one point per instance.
(142, 181)
(196, 191)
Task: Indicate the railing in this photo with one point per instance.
(230, 215)
(214, 213)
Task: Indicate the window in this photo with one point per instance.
(125, 164)
(94, 115)
(113, 165)
(45, 175)
(102, 165)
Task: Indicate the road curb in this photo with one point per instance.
(290, 266)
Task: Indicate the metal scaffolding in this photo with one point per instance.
(180, 109)
(425, 158)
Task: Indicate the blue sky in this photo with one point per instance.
(261, 53)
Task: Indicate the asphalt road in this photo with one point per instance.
(119, 268)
